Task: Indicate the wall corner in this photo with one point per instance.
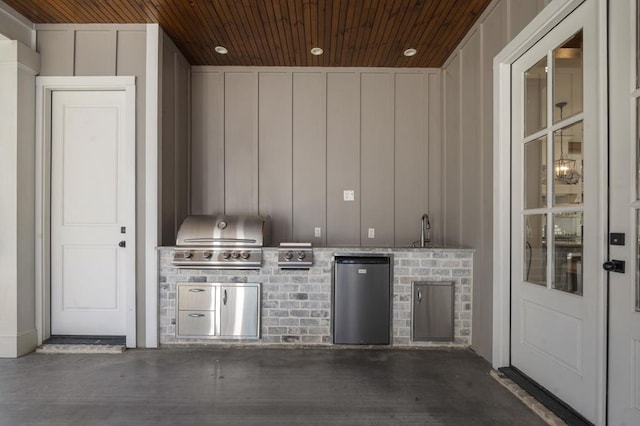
(153, 108)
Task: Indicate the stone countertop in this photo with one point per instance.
(363, 249)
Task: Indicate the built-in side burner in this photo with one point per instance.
(295, 255)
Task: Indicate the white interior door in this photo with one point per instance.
(624, 288)
(557, 230)
(92, 213)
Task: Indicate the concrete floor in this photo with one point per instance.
(257, 386)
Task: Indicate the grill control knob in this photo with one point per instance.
(207, 255)
(288, 256)
(235, 255)
(301, 255)
(244, 255)
(188, 255)
(226, 255)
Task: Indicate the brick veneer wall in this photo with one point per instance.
(296, 304)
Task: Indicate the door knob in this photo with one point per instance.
(122, 244)
(614, 266)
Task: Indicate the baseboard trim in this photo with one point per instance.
(16, 345)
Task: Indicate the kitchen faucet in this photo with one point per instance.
(426, 227)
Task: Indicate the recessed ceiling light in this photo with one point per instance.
(410, 52)
(317, 51)
(221, 50)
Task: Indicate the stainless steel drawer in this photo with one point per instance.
(197, 297)
(196, 323)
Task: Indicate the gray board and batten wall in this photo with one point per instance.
(287, 143)
(467, 87)
(121, 50)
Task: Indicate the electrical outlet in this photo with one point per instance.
(317, 232)
(372, 233)
(349, 195)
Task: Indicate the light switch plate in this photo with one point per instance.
(372, 233)
(317, 232)
(349, 195)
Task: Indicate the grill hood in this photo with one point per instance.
(224, 231)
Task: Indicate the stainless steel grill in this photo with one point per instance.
(221, 242)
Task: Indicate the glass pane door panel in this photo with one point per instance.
(568, 165)
(637, 171)
(637, 261)
(535, 95)
(638, 148)
(567, 246)
(535, 249)
(535, 174)
(637, 42)
(567, 78)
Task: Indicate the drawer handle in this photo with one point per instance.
(196, 290)
(196, 315)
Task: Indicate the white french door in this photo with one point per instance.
(92, 213)
(557, 224)
(624, 145)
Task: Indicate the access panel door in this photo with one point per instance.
(239, 311)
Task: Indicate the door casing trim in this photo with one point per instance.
(551, 16)
(45, 86)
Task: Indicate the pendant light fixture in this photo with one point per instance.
(563, 167)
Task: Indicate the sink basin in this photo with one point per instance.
(428, 246)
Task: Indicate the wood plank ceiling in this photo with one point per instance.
(352, 33)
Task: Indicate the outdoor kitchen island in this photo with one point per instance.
(295, 304)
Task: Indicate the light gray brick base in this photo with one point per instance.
(296, 304)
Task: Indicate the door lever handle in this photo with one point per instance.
(614, 266)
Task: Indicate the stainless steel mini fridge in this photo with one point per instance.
(362, 300)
